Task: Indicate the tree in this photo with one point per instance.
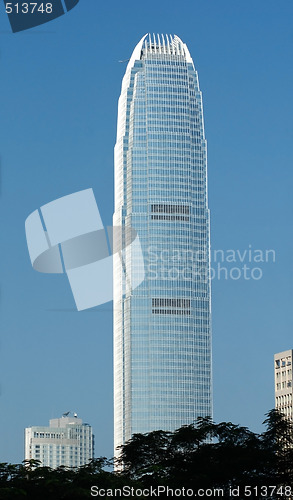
(202, 455)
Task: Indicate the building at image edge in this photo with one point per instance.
(284, 382)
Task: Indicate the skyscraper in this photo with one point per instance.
(162, 329)
(67, 441)
(284, 383)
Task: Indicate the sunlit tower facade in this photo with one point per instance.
(162, 329)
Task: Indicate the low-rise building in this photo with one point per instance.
(67, 441)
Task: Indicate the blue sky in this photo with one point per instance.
(59, 89)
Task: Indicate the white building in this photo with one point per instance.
(283, 382)
(67, 441)
(162, 329)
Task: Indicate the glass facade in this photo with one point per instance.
(162, 329)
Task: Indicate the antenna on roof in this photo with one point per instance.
(66, 414)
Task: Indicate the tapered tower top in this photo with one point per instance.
(160, 44)
(164, 44)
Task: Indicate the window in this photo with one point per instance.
(171, 306)
(171, 212)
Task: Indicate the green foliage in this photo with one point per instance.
(209, 455)
(203, 455)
